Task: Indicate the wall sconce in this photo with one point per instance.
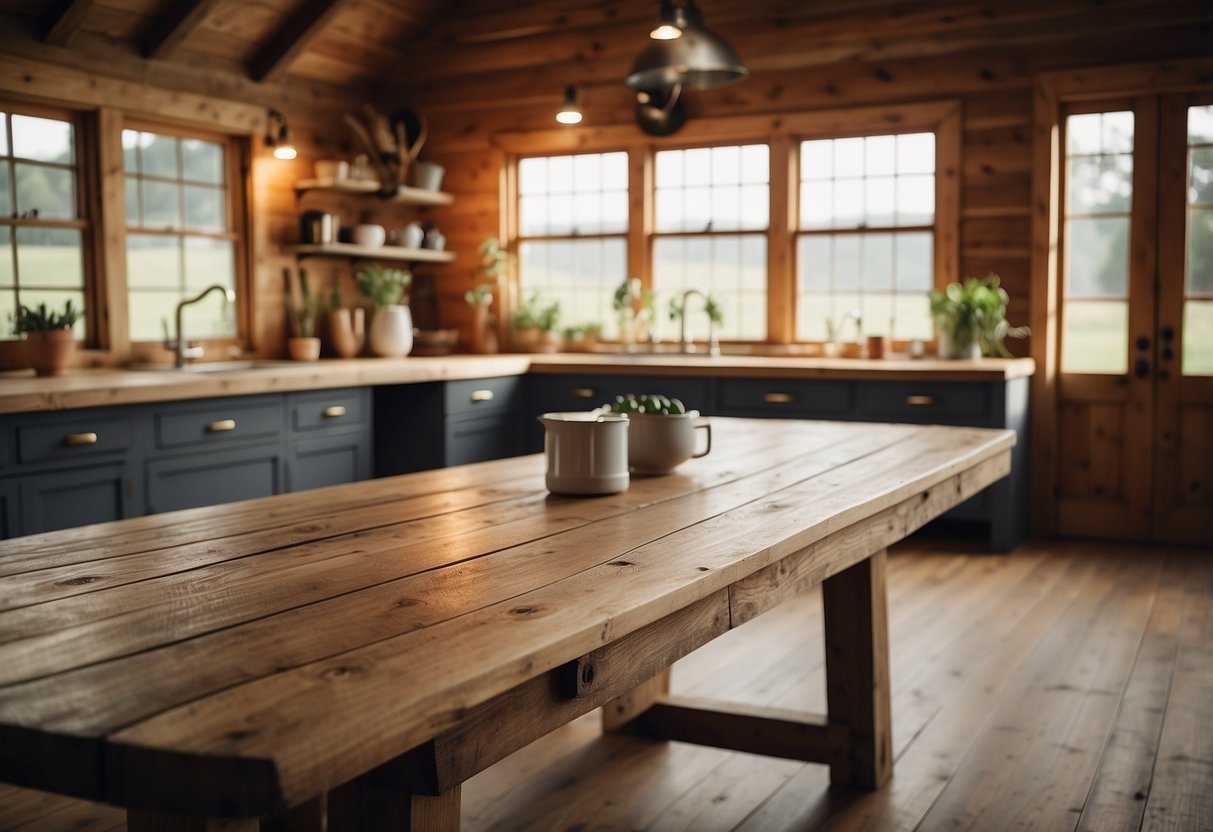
(278, 136)
(569, 113)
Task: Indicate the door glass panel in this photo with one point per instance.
(1197, 356)
(1098, 200)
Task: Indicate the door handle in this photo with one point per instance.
(1141, 368)
(221, 426)
(583, 393)
(482, 395)
(778, 398)
(920, 400)
(74, 440)
(335, 411)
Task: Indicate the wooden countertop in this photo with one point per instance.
(242, 658)
(22, 392)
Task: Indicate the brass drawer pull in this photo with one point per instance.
(920, 400)
(778, 398)
(334, 411)
(74, 440)
(221, 426)
(482, 395)
(583, 393)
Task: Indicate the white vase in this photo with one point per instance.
(391, 333)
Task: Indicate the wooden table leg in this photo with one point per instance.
(619, 712)
(370, 806)
(857, 672)
(140, 820)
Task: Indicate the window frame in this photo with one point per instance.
(12, 349)
(236, 205)
(783, 134)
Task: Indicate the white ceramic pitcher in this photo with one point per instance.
(587, 453)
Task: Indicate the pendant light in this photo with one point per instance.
(697, 59)
(569, 113)
(671, 20)
(280, 138)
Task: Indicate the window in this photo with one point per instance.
(866, 235)
(573, 223)
(1098, 202)
(181, 234)
(712, 215)
(42, 229)
(1198, 281)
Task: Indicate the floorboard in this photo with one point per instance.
(1064, 687)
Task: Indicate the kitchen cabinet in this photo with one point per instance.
(557, 392)
(330, 438)
(214, 477)
(9, 501)
(78, 496)
(421, 426)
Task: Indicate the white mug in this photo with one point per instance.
(658, 443)
(587, 452)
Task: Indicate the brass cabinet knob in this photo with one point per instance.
(583, 393)
(334, 411)
(920, 400)
(778, 398)
(221, 426)
(73, 440)
(482, 395)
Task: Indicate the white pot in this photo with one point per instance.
(391, 333)
(587, 453)
(657, 443)
(369, 236)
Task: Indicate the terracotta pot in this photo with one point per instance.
(347, 331)
(49, 351)
(392, 331)
(484, 330)
(303, 349)
(536, 340)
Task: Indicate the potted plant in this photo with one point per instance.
(636, 308)
(347, 327)
(49, 340)
(971, 319)
(304, 345)
(582, 337)
(391, 333)
(534, 325)
(494, 260)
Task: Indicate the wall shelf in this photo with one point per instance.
(354, 252)
(404, 194)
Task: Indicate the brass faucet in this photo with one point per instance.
(684, 343)
(180, 347)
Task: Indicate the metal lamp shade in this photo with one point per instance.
(699, 59)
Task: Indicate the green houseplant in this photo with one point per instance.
(971, 319)
(391, 334)
(303, 345)
(49, 339)
(493, 263)
(534, 324)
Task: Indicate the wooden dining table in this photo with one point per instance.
(360, 651)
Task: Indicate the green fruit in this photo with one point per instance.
(677, 408)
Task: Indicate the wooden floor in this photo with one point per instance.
(1067, 686)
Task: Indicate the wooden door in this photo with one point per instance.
(1107, 316)
(1183, 473)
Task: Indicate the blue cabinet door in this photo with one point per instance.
(78, 497)
(328, 460)
(213, 478)
(9, 519)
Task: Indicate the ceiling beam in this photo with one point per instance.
(168, 34)
(289, 42)
(66, 22)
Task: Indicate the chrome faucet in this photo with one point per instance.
(185, 353)
(834, 328)
(684, 343)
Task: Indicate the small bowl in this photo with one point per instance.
(333, 169)
(369, 236)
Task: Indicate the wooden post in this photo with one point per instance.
(857, 672)
(370, 806)
(617, 713)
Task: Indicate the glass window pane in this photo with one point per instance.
(43, 139)
(1201, 188)
(208, 262)
(1097, 257)
(533, 176)
(880, 155)
(848, 157)
(204, 208)
(848, 203)
(914, 261)
(615, 170)
(726, 208)
(132, 201)
(56, 299)
(1117, 132)
(755, 207)
(814, 260)
(50, 257)
(916, 153)
(3, 134)
(1198, 338)
(1100, 184)
(912, 317)
(848, 255)
(915, 200)
(698, 166)
(161, 204)
(587, 172)
(533, 215)
(130, 156)
(6, 258)
(202, 161)
(726, 165)
(1095, 337)
(151, 314)
(669, 210)
(48, 191)
(1200, 125)
(879, 201)
(1083, 134)
(153, 261)
(731, 268)
(6, 202)
(580, 274)
(816, 205)
(159, 155)
(615, 212)
(755, 163)
(877, 273)
(669, 169)
(817, 159)
(1200, 251)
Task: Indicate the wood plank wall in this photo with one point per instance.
(474, 85)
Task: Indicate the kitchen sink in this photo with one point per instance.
(213, 367)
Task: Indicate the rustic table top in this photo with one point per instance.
(266, 651)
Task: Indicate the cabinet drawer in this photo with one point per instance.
(785, 397)
(481, 395)
(208, 479)
(219, 423)
(939, 402)
(78, 497)
(478, 438)
(79, 436)
(328, 460)
(330, 410)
